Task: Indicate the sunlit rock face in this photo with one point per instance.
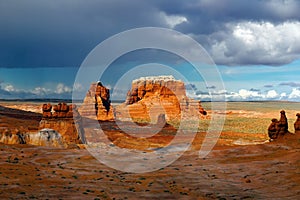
(8, 136)
(151, 96)
(46, 137)
(96, 104)
(65, 120)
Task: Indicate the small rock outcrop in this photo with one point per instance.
(46, 137)
(278, 127)
(151, 96)
(65, 120)
(273, 128)
(297, 124)
(282, 124)
(96, 104)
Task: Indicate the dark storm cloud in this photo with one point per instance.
(254, 90)
(291, 84)
(37, 33)
(202, 93)
(211, 87)
(268, 86)
(61, 33)
(190, 86)
(210, 15)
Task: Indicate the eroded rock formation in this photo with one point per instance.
(273, 128)
(151, 96)
(97, 104)
(65, 120)
(278, 127)
(282, 124)
(297, 124)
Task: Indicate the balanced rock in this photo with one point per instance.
(151, 96)
(97, 104)
(297, 124)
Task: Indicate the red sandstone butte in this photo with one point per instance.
(151, 96)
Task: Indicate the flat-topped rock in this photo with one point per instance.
(151, 96)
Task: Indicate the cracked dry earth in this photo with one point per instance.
(266, 171)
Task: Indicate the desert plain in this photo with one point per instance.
(242, 165)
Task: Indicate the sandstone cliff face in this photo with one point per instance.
(65, 120)
(151, 96)
(96, 104)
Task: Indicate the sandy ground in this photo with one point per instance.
(263, 171)
(268, 171)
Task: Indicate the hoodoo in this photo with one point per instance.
(96, 104)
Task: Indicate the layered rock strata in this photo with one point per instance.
(65, 120)
(151, 96)
(97, 104)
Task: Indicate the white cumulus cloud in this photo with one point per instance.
(9, 88)
(61, 88)
(247, 94)
(272, 94)
(295, 94)
(256, 43)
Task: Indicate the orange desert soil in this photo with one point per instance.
(263, 171)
